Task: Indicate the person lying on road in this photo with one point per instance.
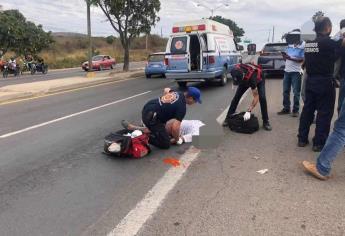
(157, 112)
(188, 129)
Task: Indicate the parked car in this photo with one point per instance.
(155, 65)
(251, 48)
(100, 62)
(271, 58)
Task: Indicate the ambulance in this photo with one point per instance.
(201, 51)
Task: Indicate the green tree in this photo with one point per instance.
(21, 36)
(238, 32)
(129, 18)
(111, 41)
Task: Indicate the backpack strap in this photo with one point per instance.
(250, 71)
(258, 68)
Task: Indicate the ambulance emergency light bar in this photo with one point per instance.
(189, 29)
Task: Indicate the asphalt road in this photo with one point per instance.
(59, 74)
(54, 179)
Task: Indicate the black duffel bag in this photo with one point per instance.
(237, 124)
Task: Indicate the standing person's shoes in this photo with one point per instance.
(317, 148)
(226, 123)
(267, 126)
(295, 114)
(284, 112)
(311, 169)
(302, 143)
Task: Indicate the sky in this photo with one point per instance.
(256, 17)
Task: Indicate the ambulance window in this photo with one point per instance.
(179, 45)
(204, 36)
(232, 46)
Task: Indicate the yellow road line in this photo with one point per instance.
(68, 91)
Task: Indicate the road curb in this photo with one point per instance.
(65, 88)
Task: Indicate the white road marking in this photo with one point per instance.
(144, 210)
(70, 116)
(222, 116)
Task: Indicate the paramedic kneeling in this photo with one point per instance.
(172, 105)
(249, 76)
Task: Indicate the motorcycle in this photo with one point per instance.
(28, 66)
(10, 69)
(39, 67)
(2, 65)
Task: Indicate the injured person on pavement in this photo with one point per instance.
(158, 112)
(188, 129)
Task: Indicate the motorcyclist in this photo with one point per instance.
(12, 63)
(29, 61)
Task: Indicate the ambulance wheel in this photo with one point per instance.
(182, 84)
(223, 79)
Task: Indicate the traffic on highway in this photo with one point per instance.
(172, 118)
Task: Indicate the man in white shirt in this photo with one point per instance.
(294, 56)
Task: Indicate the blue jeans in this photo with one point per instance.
(334, 145)
(341, 94)
(293, 79)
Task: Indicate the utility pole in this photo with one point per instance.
(273, 35)
(89, 33)
(147, 41)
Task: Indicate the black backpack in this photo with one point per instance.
(237, 124)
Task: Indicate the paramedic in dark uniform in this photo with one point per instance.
(320, 56)
(256, 83)
(172, 105)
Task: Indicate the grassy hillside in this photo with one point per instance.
(70, 50)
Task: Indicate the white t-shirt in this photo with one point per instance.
(294, 52)
(190, 128)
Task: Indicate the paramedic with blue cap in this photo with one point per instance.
(172, 105)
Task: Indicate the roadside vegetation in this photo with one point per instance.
(70, 50)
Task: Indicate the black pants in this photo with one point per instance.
(262, 98)
(320, 97)
(159, 137)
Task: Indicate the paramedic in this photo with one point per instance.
(320, 56)
(172, 105)
(257, 84)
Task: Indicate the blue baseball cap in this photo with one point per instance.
(195, 94)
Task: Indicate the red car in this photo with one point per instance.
(100, 62)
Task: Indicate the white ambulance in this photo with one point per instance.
(201, 51)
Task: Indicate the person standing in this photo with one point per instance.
(342, 70)
(320, 56)
(334, 145)
(294, 57)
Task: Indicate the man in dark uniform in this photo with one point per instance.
(172, 105)
(320, 56)
(256, 82)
